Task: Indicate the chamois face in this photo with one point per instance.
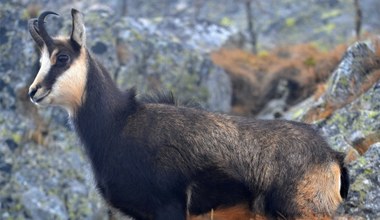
(62, 76)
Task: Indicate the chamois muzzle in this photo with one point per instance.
(42, 30)
(37, 94)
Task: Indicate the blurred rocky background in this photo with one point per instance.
(316, 61)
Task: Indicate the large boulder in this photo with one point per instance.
(356, 73)
(348, 115)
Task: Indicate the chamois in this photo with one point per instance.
(160, 160)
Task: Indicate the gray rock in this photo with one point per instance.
(57, 176)
(348, 78)
(364, 194)
(345, 85)
(101, 35)
(352, 123)
(170, 56)
(275, 108)
(42, 206)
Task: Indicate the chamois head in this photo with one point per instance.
(62, 76)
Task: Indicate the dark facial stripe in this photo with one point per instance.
(57, 69)
(52, 76)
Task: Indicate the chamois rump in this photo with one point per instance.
(155, 159)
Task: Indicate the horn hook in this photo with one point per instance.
(42, 30)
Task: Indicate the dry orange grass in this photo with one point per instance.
(255, 76)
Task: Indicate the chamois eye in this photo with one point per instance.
(62, 59)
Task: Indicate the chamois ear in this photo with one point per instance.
(78, 34)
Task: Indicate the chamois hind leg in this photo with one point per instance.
(318, 193)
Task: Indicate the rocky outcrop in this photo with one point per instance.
(348, 114)
(364, 196)
(357, 72)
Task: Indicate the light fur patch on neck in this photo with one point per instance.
(68, 91)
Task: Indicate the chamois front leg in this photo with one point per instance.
(173, 210)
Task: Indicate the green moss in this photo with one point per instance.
(336, 119)
(25, 14)
(372, 114)
(263, 53)
(360, 187)
(320, 46)
(368, 171)
(298, 113)
(310, 62)
(160, 59)
(137, 35)
(53, 191)
(331, 14)
(361, 161)
(72, 215)
(157, 19)
(203, 93)
(328, 28)
(18, 207)
(290, 22)
(16, 138)
(225, 21)
(343, 81)
(92, 18)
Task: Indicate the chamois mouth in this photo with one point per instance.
(41, 97)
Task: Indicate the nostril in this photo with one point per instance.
(33, 91)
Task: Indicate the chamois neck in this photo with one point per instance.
(104, 109)
(101, 96)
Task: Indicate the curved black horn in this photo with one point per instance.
(35, 34)
(41, 28)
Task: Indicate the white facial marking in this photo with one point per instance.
(45, 65)
(44, 69)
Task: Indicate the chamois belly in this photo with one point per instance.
(136, 205)
(213, 190)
